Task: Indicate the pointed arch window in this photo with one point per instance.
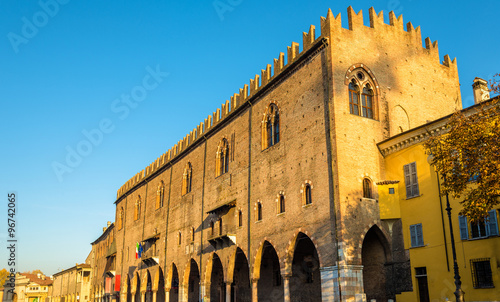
(240, 218)
(367, 188)
(259, 211)
(271, 127)
(137, 208)
(121, 214)
(160, 193)
(362, 98)
(222, 158)
(306, 194)
(187, 179)
(281, 203)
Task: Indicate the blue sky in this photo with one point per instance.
(64, 71)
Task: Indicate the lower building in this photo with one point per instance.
(412, 193)
(33, 288)
(72, 284)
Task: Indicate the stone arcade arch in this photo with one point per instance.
(159, 286)
(136, 288)
(128, 294)
(172, 284)
(191, 282)
(268, 273)
(239, 276)
(148, 293)
(305, 279)
(214, 279)
(374, 255)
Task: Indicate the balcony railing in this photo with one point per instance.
(225, 236)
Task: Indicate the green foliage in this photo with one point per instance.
(467, 157)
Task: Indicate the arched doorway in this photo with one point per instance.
(217, 285)
(373, 259)
(149, 288)
(193, 282)
(305, 282)
(174, 285)
(160, 294)
(270, 284)
(241, 290)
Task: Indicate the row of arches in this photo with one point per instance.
(234, 280)
(296, 277)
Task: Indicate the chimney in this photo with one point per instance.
(480, 90)
(51, 277)
(38, 275)
(104, 229)
(109, 223)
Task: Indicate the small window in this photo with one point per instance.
(192, 234)
(159, 194)
(281, 204)
(222, 158)
(367, 188)
(417, 237)
(259, 211)
(187, 177)
(391, 190)
(240, 218)
(307, 197)
(212, 228)
(411, 180)
(482, 276)
(271, 127)
(179, 237)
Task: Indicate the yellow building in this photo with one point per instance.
(32, 288)
(412, 193)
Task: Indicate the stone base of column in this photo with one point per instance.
(348, 277)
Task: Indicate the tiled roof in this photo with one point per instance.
(34, 278)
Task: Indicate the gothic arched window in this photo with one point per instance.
(367, 188)
(271, 127)
(362, 96)
(160, 194)
(222, 158)
(137, 208)
(187, 179)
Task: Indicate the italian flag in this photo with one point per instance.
(137, 250)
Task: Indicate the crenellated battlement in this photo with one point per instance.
(331, 26)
